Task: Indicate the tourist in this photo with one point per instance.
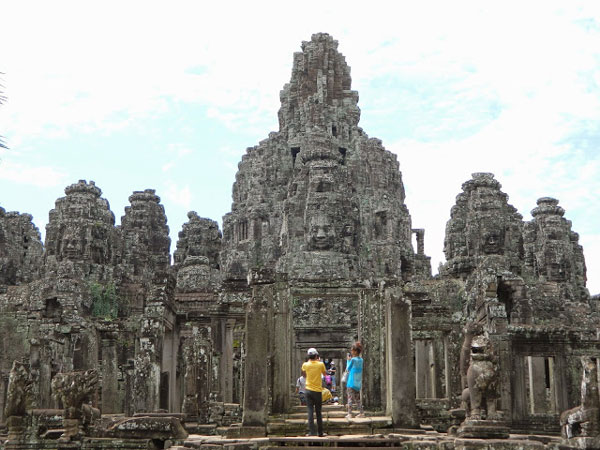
(314, 369)
(301, 388)
(354, 368)
(332, 370)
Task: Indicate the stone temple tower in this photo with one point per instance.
(319, 222)
(320, 199)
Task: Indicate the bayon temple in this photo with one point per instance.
(107, 343)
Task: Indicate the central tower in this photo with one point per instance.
(319, 228)
(319, 200)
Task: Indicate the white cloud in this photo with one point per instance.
(40, 176)
(179, 195)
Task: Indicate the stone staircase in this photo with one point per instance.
(334, 422)
(288, 431)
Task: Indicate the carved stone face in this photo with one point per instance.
(556, 272)
(70, 246)
(321, 234)
(480, 348)
(493, 242)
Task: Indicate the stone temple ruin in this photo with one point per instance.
(105, 344)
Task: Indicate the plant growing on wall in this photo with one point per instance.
(106, 303)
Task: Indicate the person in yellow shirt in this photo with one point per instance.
(314, 368)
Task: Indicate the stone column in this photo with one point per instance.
(281, 351)
(195, 378)
(257, 364)
(400, 390)
(146, 378)
(3, 387)
(45, 380)
(420, 234)
(518, 407)
(227, 361)
(222, 335)
(110, 382)
(422, 363)
(370, 332)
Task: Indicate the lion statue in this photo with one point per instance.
(479, 398)
(584, 420)
(19, 389)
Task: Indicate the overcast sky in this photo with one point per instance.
(137, 95)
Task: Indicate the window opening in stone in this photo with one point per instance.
(333, 130)
(242, 230)
(430, 368)
(295, 151)
(78, 356)
(504, 293)
(406, 268)
(342, 151)
(53, 308)
(164, 391)
(541, 390)
(324, 186)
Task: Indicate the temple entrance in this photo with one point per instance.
(335, 348)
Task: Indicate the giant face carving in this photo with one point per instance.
(492, 241)
(321, 234)
(70, 245)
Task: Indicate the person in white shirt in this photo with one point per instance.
(301, 389)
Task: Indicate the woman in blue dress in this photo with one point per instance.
(354, 381)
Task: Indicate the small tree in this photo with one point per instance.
(106, 303)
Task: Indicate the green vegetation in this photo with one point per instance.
(106, 303)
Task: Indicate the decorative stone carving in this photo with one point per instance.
(482, 378)
(80, 235)
(197, 255)
(482, 418)
(73, 390)
(146, 241)
(482, 223)
(316, 195)
(321, 234)
(18, 391)
(199, 237)
(554, 251)
(471, 330)
(580, 426)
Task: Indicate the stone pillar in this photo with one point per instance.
(195, 378)
(227, 361)
(420, 235)
(560, 382)
(257, 364)
(370, 330)
(222, 335)
(45, 376)
(3, 387)
(146, 378)
(518, 409)
(281, 351)
(423, 368)
(400, 390)
(537, 386)
(110, 382)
